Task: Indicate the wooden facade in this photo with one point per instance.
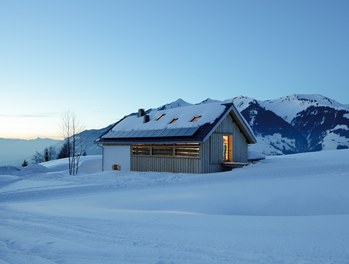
(212, 149)
(165, 164)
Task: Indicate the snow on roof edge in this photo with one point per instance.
(178, 117)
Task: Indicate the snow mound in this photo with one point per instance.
(7, 179)
(88, 164)
(9, 170)
(33, 169)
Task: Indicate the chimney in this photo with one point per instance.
(145, 118)
(141, 112)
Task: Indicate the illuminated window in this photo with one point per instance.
(174, 120)
(195, 119)
(160, 116)
(227, 148)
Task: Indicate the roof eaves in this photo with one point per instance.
(106, 132)
(219, 120)
(239, 119)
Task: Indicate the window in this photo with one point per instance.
(195, 119)
(162, 150)
(185, 150)
(174, 120)
(141, 150)
(160, 116)
(227, 148)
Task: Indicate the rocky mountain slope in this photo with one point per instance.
(296, 123)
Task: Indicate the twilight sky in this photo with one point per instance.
(105, 59)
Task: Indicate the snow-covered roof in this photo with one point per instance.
(208, 113)
(180, 121)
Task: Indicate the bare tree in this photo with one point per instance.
(46, 155)
(71, 128)
(38, 158)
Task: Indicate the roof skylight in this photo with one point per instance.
(174, 120)
(195, 119)
(160, 116)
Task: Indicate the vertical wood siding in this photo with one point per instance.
(212, 154)
(165, 164)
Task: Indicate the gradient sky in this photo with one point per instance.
(104, 59)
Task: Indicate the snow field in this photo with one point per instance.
(285, 209)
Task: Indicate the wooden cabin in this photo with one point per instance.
(202, 138)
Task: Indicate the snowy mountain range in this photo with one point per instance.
(296, 123)
(292, 124)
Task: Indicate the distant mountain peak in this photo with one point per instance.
(311, 99)
(320, 100)
(242, 102)
(209, 100)
(178, 103)
(289, 106)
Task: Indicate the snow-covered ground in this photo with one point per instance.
(285, 209)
